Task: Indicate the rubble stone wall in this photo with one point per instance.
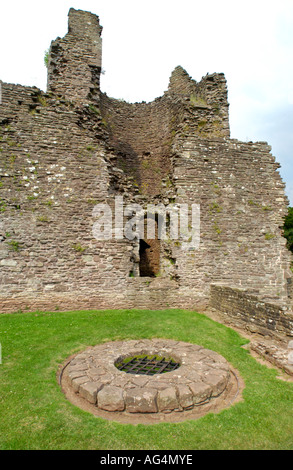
(257, 315)
(65, 151)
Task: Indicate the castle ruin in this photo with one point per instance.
(65, 151)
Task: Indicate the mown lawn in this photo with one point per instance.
(34, 413)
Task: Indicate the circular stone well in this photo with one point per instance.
(204, 381)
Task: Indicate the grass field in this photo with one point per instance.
(34, 413)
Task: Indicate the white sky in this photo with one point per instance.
(251, 42)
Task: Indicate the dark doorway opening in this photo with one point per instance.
(145, 268)
(149, 255)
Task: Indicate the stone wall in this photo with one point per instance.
(143, 134)
(75, 61)
(65, 151)
(256, 314)
(242, 203)
(53, 172)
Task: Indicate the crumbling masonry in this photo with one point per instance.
(67, 150)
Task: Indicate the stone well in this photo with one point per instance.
(203, 379)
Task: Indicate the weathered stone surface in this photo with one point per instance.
(82, 77)
(88, 390)
(110, 398)
(185, 396)
(139, 380)
(167, 399)
(79, 366)
(97, 372)
(77, 373)
(278, 353)
(216, 381)
(257, 315)
(8, 262)
(200, 392)
(77, 381)
(141, 400)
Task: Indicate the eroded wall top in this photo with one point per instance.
(75, 61)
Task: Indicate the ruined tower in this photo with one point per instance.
(75, 61)
(65, 152)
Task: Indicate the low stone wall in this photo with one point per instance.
(139, 293)
(257, 315)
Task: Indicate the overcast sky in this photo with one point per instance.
(251, 42)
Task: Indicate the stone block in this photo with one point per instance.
(77, 381)
(8, 262)
(141, 400)
(110, 398)
(167, 399)
(185, 396)
(217, 382)
(200, 391)
(88, 390)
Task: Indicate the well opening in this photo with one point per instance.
(146, 364)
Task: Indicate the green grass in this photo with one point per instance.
(36, 415)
